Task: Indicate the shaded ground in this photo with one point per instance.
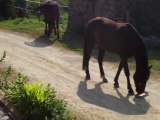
(43, 61)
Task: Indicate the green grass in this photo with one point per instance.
(154, 56)
(33, 26)
(30, 26)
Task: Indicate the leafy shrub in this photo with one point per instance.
(4, 84)
(5, 74)
(36, 101)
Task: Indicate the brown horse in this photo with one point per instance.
(51, 13)
(121, 39)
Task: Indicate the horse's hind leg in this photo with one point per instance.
(127, 73)
(46, 29)
(116, 84)
(57, 27)
(54, 26)
(100, 60)
(88, 51)
(49, 29)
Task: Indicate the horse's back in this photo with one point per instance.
(51, 11)
(119, 38)
(102, 31)
(100, 23)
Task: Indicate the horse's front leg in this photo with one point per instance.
(100, 60)
(86, 57)
(116, 83)
(127, 73)
(87, 64)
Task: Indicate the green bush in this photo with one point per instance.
(36, 101)
(4, 84)
(5, 74)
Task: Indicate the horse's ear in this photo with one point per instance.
(150, 67)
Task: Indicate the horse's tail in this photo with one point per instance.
(84, 56)
(89, 41)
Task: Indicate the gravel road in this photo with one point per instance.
(43, 61)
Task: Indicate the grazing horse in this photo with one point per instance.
(51, 14)
(121, 39)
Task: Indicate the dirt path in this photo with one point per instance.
(91, 100)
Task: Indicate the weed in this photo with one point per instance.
(3, 57)
(36, 101)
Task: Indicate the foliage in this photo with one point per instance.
(4, 84)
(5, 10)
(5, 74)
(63, 2)
(63, 23)
(36, 101)
(8, 8)
(3, 57)
(33, 26)
(154, 59)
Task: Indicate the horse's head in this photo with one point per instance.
(141, 80)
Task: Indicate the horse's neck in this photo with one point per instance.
(141, 59)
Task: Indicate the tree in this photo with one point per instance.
(8, 8)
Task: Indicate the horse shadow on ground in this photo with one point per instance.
(119, 104)
(41, 41)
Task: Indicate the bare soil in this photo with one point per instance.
(43, 61)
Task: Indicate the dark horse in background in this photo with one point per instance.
(50, 11)
(121, 39)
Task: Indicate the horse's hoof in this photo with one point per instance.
(116, 86)
(105, 80)
(142, 95)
